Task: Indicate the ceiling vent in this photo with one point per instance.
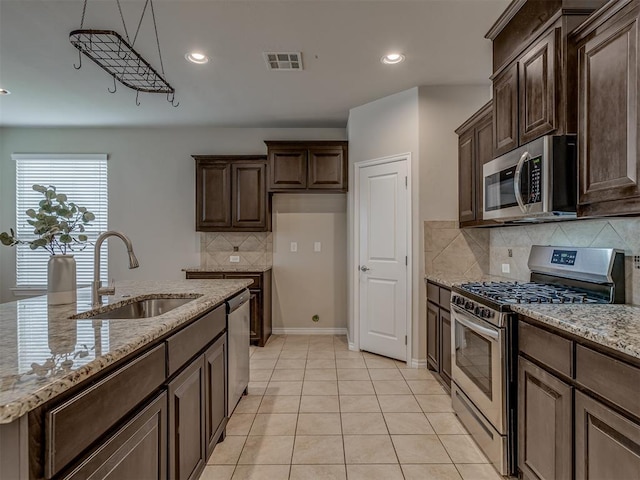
(283, 60)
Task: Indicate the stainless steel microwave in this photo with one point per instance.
(535, 182)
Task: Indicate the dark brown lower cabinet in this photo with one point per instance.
(215, 359)
(607, 444)
(544, 437)
(136, 451)
(187, 442)
(439, 332)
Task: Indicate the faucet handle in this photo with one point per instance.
(110, 290)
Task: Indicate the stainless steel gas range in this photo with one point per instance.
(484, 336)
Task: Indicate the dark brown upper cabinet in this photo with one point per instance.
(307, 166)
(475, 148)
(231, 193)
(533, 70)
(608, 109)
(537, 89)
(505, 110)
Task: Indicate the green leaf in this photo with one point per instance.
(39, 188)
(83, 238)
(33, 245)
(61, 197)
(65, 238)
(31, 213)
(88, 217)
(81, 209)
(51, 194)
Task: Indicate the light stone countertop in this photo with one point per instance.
(230, 269)
(449, 281)
(614, 326)
(44, 353)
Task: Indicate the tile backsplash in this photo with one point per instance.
(455, 251)
(253, 248)
(622, 233)
(473, 252)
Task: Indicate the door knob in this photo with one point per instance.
(364, 268)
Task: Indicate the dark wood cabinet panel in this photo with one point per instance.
(213, 195)
(249, 196)
(439, 332)
(505, 110)
(466, 177)
(231, 193)
(187, 438)
(259, 302)
(327, 168)
(136, 451)
(537, 89)
(607, 444)
(445, 346)
(288, 169)
(215, 359)
(475, 148)
(312, 166)
(608, 109)
(433, 337)
(544, 424)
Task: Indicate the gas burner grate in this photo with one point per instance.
(530, 292)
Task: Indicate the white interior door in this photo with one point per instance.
(383, 215)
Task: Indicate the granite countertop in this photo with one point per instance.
(44, 352)
(448, 280)
(230, 269)
(614, 326)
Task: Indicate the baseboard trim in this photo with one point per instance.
(353, 348)
(418, 363)
(309, 331)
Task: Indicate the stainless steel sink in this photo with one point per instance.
(151, 307)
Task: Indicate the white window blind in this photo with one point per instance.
(83, 178)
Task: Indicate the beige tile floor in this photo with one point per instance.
(316, 410)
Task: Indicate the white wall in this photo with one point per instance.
(151, 186)
(420, 121)
(382, 128)
(306, 282)
(442, 110)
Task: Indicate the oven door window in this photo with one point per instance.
(500, 190)
(473, 357)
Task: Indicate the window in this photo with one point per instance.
(83, 178)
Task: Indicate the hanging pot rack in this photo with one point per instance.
(116, 55)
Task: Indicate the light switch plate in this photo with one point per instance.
(506, 268)
(234, 259)
(294, 246)
(317, 247)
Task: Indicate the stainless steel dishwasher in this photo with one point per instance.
(238, 348)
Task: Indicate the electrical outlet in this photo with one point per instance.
(317, 247)
(636, 261)
(506, 268)
(234, 258)
(509, 253)
(294, 246)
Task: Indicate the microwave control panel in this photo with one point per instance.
(532, 179)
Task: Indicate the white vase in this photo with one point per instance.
(61, 280)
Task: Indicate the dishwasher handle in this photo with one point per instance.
(236, 302)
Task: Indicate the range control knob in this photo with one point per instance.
(469, 306)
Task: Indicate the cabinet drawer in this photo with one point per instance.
(445, 298)
(204, 276)
(609, 378)
(190, 340)
(548, 348)
(137, 450)
(71, 427)
(255, 277)
(433, 292)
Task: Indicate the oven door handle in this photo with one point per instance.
(464, 319)
(516, 181)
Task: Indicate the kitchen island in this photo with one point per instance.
(53, 356)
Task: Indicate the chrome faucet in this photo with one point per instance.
(97, 290)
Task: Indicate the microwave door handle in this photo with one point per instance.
(516, 181)
(485, 332)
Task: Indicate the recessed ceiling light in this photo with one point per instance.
(392, 58)
(197, 57)
(4, 92)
